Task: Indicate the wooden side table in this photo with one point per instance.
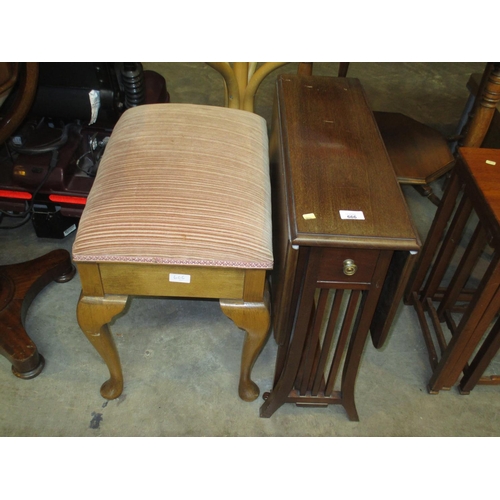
(342, 240)
(455, 288)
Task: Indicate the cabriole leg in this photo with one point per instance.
(255, 319)
(94, 314)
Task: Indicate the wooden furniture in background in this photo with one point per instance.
(455, 287)
(241, 81)
(483, 127)
(337, 275)
(419, 153)
(22, 80)
(306, 69)
(474, 184)
(20, 283)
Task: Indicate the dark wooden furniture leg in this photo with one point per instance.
(19, 285)
(473, 374)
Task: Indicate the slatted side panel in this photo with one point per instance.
(459, 262)
(451, 285)
(448, 249)
(330, 327)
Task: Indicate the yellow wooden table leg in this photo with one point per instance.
(255, 319)
(94, 314)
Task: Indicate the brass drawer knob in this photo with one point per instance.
(350, 267)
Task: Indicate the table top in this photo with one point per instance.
(341, 187)
(482, 167)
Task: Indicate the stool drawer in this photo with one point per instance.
(156, 280)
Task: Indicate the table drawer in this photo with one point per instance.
(347, 265)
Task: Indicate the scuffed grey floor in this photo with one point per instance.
(181, 357)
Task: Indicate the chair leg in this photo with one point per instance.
(94, 314)
(255, 319)
(426, 191)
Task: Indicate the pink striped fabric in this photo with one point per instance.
(181, 184)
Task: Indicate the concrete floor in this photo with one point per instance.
(181, 358)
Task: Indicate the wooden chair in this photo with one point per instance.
(419, 154)
(476, 85)
(180, 207)
(484, 111)
(20, 283)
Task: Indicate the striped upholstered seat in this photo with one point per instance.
(181, 184)
(180, 206)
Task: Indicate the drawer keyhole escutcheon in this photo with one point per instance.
(350, 267)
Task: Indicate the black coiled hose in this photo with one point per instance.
(133, 83)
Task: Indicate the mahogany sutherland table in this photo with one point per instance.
(342, 239)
